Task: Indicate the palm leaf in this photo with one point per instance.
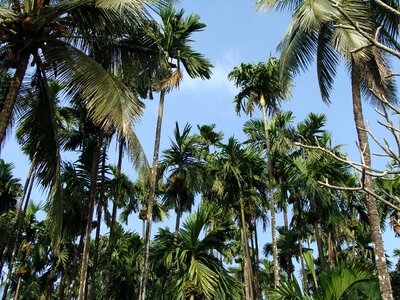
(327, 61)
(109, 103)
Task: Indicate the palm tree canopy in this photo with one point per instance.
(260, 85)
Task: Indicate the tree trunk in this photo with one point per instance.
(290, 268)
(271, 195)
(111, 240)
(14, 226)
(248, 276)
(88, 231)
(177, 221)
(150, 201)
(331, 250)
(318, 237)
(16, 240)
(97, 238)
(12, 93)
(373, 215)
(303, 269)
(256, 262)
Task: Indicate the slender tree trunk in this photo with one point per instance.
(18, 289)
(92, 293)
(16, 240)
(61, 287)
(288, 256)
(99, 216)
(178, 219)
(88, 231)
(12, 93)
(17, 215)
(248, 276)
(373, 215)
(303, 269)
(331, 250)
(271, 194)
(111, 240)
(150, 201)
(256, 261)
(318, 237)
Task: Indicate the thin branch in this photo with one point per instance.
(357, 166)
(373, 194)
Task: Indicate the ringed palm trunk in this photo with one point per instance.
(271, 194)
(111, 240)
(373, 215)
(12, 93)
(150, 200)
(97, 238)
(248, 274)
(178, 219)
(88, 231)
(318, 237)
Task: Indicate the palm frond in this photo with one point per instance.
(327, 61)
(110, 104)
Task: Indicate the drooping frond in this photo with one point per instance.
(110, 104)
(327, 61)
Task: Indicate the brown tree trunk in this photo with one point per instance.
(88, 231)
(111, 240)
(303, 269)
(248, 274)
(373, 215)
(256, 262)
(150, 201)
(178, 220)
(331, 250)
(97, 238)
(12, 93)
(318, 237)
(271, 195)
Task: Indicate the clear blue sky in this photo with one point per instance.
(236, 33)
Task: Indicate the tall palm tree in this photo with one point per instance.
(174, 39)
(185, 174)
(314, 31)
(261, 86)
(195, 272)
(238, 173)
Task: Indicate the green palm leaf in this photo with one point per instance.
(109, 103)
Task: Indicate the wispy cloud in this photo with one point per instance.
(219, 79)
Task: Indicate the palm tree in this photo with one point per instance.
(314, 31)
(238, 184)
(173, 39)
(185, 174)
(191, 265)
(261, 85)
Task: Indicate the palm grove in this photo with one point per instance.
(74, 79)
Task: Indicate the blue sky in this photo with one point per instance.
(236, 33)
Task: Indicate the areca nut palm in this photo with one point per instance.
(260, 85)
(185, 173)
(173, 37)
(320, 29)
(194, 270)
(57, 37)
(237, 172)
